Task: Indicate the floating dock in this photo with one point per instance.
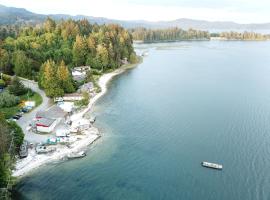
(212, 165)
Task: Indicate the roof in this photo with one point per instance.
(54, 112)
(87, 87)
(45, 122)
(66, 106)
(82, 68)
(78, 73)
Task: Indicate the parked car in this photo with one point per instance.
(24, 110)
(19, 115)
(23, 153)
(15, 117)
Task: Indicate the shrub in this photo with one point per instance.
(8, 100)
(84, 101)
(2, 83)
(133, 58)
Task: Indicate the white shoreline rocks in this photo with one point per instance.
(34, 161)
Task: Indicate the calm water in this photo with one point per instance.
(187, 102)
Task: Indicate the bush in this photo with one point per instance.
(84, 101)
(16, 87)
(2, 83)
(95, 72)
(133, 58)
(6, 78)
(8, 100)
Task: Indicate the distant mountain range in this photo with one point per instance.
(12, 15)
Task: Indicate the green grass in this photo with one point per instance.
(11, 111)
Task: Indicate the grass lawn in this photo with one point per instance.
(11, 111)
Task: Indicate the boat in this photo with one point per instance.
(212, 165)
(92, 119)
(76, 155)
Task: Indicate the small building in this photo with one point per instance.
(87, 87)
(66, 106)
(73, 97)
(45, 125)
(79, 73)
(78, 76)
(82, 68)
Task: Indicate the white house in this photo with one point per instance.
(45, 125)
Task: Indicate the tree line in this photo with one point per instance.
(169, 34)
(232, 35)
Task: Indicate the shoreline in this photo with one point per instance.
(34, 161)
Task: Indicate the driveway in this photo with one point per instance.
(24, 121)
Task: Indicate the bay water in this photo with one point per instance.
(186, 103)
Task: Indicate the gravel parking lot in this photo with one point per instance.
(26, 119)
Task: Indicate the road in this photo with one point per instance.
(24, 121)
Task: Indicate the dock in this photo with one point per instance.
(212, 165)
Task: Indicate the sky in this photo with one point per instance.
(241, 11)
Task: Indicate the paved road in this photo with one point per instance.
(26, 118)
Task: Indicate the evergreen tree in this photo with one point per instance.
(22, 64)
(79, 51)
(4, 61)
(64, 78)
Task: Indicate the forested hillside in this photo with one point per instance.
(48, 50)
(170, 34)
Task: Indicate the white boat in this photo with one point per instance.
(76, 155)
(212, 165)
(92, 119)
